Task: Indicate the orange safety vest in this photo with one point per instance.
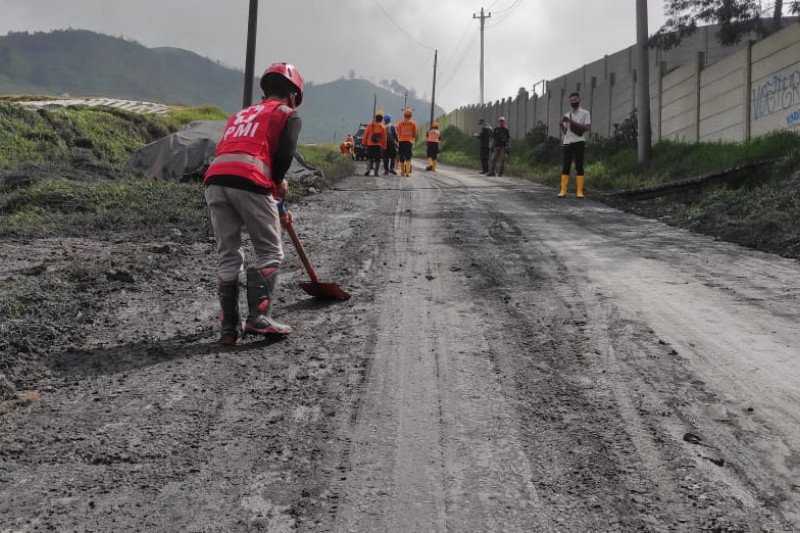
(375, 135)
(434, 136)
(407, 131)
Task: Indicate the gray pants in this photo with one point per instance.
(231, 209)
(498, 161)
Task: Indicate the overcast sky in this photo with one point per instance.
(526, 40)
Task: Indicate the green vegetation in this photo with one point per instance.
(62, 156)
(59, 206)
(57, 137)
(756, 209)
(326, 157)
(179, 117)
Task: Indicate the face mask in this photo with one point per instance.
(575, 105)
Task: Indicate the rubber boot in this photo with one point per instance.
(369, 167)
(579, 182)
(435, 163)
(564, 185)
(261, 285)
(228, 292)
(430, 165)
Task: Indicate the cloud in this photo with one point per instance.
(537, 39)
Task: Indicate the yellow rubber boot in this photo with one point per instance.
(564, 185)
(430, 164)
(435, 162)
(579, 183)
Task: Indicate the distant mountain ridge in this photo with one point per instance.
(86, 63)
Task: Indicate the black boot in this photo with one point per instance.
(228, 293)
(261, 285)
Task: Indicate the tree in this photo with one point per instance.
(777, 15)
(736, 19)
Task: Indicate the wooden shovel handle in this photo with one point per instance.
(298, 245)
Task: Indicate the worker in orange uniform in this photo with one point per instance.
(407, 135)
(346, 148)
(375, 139)
(433, 138)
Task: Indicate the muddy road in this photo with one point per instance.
(509, 362)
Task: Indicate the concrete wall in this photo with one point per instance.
(700, 91)
(679, 107)
(723, 99)
(775, 86)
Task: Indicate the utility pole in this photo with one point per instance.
(433, 93)
(374, 106)
(405, 104)
(250, 60)
(643, 79)
(482, 17)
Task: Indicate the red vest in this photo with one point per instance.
(249, 143)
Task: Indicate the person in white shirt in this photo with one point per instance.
(574, 127)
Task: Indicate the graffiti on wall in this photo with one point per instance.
(778, 93)
(793, 119)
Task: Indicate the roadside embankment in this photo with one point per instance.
(64, 172)
(754, 207)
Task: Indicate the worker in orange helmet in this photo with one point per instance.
(346, 148)
(376, 140)
(407, 136)
(433, 138)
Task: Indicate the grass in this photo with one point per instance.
(59, 196)
(109, 135)
(75, 208)
(327, 158)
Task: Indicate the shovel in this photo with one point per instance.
(324, 291)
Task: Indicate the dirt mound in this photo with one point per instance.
(184, 156)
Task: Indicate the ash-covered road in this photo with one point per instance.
(509, 362)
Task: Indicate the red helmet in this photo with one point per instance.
(288, 72)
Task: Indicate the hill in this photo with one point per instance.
(85, 63)
(337, 107)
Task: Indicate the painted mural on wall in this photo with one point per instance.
(779, 94)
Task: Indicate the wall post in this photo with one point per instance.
(701, 59)
(748, 92)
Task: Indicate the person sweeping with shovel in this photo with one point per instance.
(244, 186)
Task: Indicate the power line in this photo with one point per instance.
(464, 35)
(506, 14)
(399, 27)
(454, 72)
(513, 6)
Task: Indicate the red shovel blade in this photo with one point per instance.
(325, 291)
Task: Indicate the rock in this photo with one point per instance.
(275, 415)
(176, 232)
(7, 389)
(691, 438)
(313, 190)
(719, 461)
(120, 275)
(165, 249)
